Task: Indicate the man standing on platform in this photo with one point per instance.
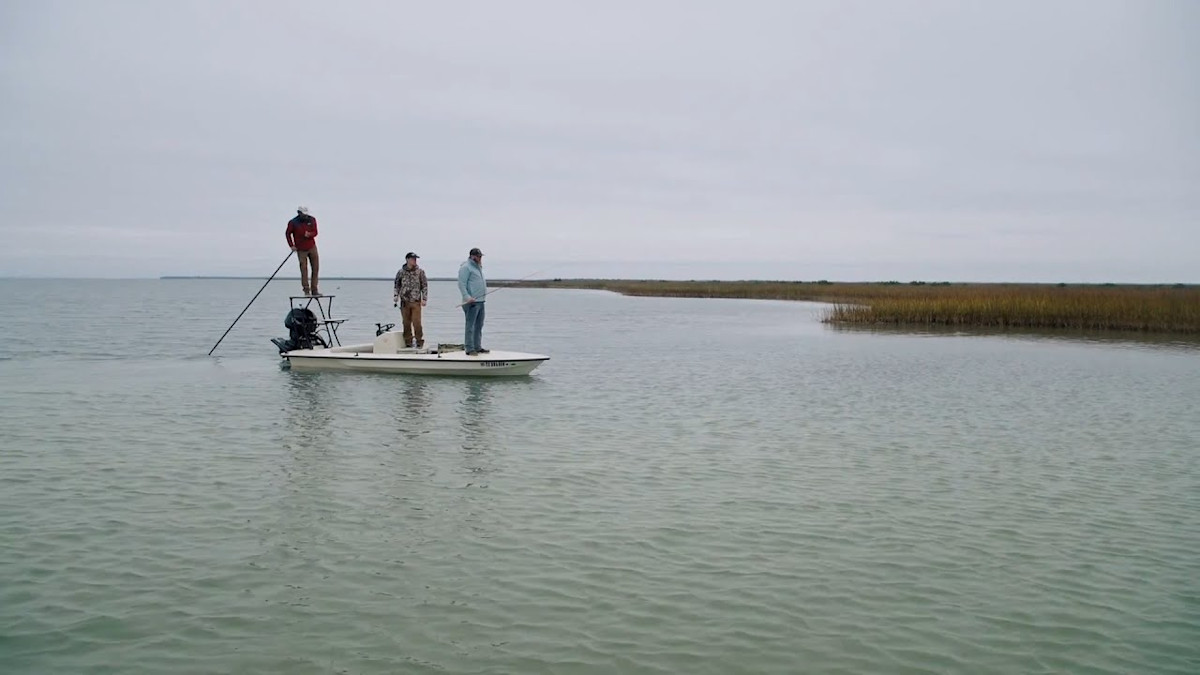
(473, 287)
(302, 237)
(411, 292)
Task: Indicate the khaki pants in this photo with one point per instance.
(305, 257)
(410, 315)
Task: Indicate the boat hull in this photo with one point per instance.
(361, 358)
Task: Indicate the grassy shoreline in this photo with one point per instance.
(1161, 308)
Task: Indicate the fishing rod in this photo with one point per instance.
(524, 278)
(239, 316)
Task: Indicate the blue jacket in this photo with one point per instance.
(471, 283)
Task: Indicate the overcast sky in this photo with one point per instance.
(1039, 140)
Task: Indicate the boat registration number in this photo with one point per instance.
(497, 364)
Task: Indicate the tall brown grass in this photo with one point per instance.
(1151, 308)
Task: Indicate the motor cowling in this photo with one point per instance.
(300, 322)
(302, 331)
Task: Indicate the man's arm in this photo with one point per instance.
(464, 273)
(288, 234)
(424, 287)
(313, 234)
(396, 284)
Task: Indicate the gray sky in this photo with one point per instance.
(1053, 140)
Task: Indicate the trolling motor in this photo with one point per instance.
(380, 329)
(302, 331)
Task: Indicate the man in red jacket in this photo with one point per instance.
(302, 237)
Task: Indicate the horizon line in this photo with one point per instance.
(181, 277)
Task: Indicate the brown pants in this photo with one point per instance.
(410, 314)
(305, 257)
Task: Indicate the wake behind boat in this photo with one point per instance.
(313, 344)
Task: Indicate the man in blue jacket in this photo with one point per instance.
(473, 288)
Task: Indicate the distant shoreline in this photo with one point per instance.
(649, 284)
(1149, 308)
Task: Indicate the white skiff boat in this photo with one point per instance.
(383, 357)
(306, 349)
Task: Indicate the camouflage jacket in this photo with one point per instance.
(411, 285)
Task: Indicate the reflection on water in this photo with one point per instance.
(473, 414)
(309, 410)
(310, 474)
(415, 394)
(484, 412)
(1109, 337)
(475, 408)
(414, 405)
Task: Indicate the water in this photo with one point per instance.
(687, 486)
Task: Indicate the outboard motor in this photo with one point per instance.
(302, 331)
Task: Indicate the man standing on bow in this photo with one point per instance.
(302, 237)
(473, 288)
(411, 292)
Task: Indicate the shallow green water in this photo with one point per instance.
(688, 486)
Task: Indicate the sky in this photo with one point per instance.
(848, 140)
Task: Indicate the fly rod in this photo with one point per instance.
(504, 287)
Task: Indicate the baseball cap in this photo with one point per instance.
(475, 251)
(302, 209)
(411, 255)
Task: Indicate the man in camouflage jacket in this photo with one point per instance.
(410, 292)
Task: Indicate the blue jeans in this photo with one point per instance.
(474, 314)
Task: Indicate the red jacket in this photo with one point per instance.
(302, 232)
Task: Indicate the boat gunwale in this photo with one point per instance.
(351, 354)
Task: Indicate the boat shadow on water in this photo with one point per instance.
(1175, 341)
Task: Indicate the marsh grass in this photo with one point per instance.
(1144, 308)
